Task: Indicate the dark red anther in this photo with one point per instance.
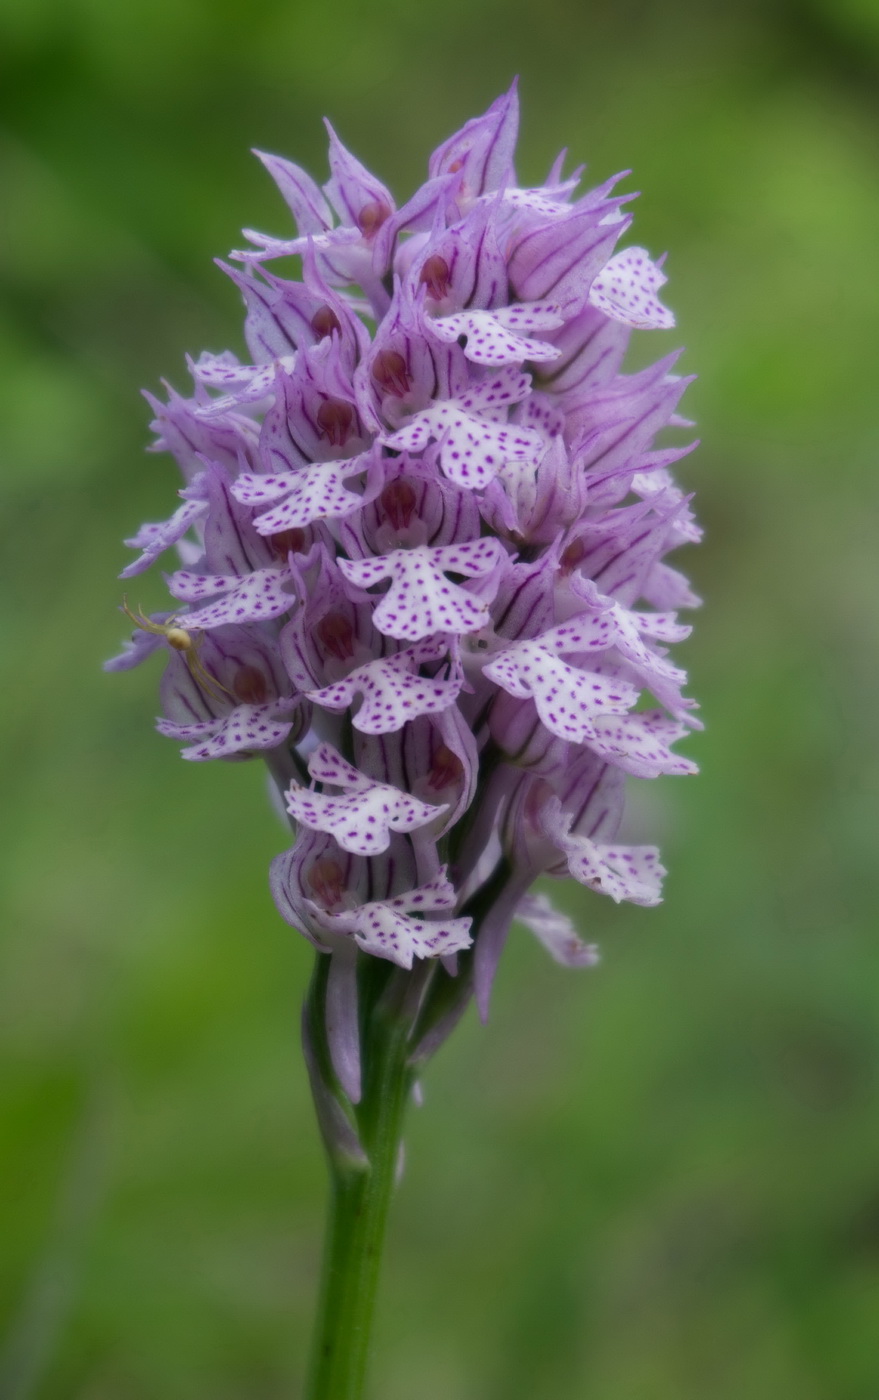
(250, 686)
(372, 216)
(287, 542)
(390, 373)
(335, 633)
(325, 321)
(335, 418)
(573, 555)
(436, 276)
(446, 769)
(327, 880)
(398, 501)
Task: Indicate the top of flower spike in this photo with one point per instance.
(555, 247)
(482, 151)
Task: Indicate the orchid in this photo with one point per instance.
(422, 548)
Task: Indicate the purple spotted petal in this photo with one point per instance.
(620, 628)
(640, 744)
(391, 694)
(362, 819)
(190, 587)
(326, 765)
(386, 933)
(248, 727)
(472, 450)
(387, 928)
(625, 291)
(312, 493)
(245, 385)
(496, 338)
(421, 599)
(631, 873)
(263, 594)
(568, 701)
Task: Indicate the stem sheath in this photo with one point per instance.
(360, 1196)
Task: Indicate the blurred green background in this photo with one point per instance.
(657, 1181)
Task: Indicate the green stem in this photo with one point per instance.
(359, 1200)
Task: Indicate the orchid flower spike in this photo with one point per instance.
(422, 561)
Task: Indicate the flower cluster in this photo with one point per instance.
(422, 538)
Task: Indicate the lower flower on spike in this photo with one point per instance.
(392, 928)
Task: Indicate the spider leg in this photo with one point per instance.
(204, 678)
(140, 620)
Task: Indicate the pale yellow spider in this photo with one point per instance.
(184, 642)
